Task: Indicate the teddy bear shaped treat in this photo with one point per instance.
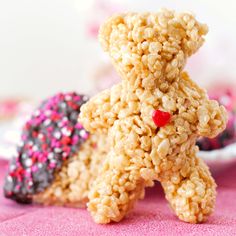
(54, 164)
(153, 118)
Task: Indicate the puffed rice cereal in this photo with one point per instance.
(153, 118)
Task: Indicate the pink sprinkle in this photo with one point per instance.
(79, 126)
(77, 98)
(86, 135)
(57, 144)
(75, 139)
(30, 152)
(53, 143)
(42, 157)
(18, 187)
(27, 174)
(52, 165)
(50, 129)
(34, 168)
(36, 154)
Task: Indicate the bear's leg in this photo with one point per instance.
(114, 192)
(191, 190)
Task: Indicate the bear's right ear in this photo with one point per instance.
(188, 30)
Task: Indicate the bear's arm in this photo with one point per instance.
(100, 112)
(212, 119)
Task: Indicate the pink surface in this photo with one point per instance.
(150, 217)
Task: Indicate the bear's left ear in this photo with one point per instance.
(106, 30)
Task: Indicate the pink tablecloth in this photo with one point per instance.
(150, 217)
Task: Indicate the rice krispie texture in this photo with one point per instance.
(72, 183)
(149, 51)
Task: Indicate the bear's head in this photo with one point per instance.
(150, 48)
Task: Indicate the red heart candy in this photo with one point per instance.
(161, 118)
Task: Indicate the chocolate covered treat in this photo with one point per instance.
(54, 164)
